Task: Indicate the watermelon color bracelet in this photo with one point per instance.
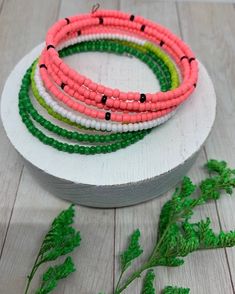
(92, 123)
(69, 50)
(133, 118)
(68, 27)
(63, 27)
(26, 110)
(74, 49)
(146, 56)
(99, 114)
(76, 100)
(153, 62)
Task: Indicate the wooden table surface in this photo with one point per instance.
(26, 209)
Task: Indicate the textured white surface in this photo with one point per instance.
(164, 149)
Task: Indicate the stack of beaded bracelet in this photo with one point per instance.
(85, 110)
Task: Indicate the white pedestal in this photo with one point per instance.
(129, 176)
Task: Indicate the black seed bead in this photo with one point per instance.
(43, 65)
(50, 46)
(142, 28)
(162, 43)
(68, 21)
(195, 85)
(107, 115)
(104, 99)
(183, 57)
(142, 98)
(101, 20)
(62, 86)
(79, 33)
(191, 59)
(132, 17)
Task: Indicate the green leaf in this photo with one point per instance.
(132, 252)
(54, 274)
(187, 188)
(223, 180)
(62, 238)
(216, 166)
(64, 241)
(148, 287)
(179, 202)
(169, 261)
(175, 290)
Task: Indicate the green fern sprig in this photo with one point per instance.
(148, 285)
(175, 290)
(54, 274)
(132, 252)
(60, 240)
(177, 237)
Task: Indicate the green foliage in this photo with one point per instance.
(175, 290)
(180, 202)
(60, 240)
(132, 252)
(54, 274)
(177, 236)
(223, 180)
(148, 287)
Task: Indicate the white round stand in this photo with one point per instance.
(129, 176)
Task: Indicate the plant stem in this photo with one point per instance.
(119, 280)
(152, 256)
(31, 275)
(132, 277)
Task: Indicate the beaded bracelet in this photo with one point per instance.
(153, 61)
(149, 51)
(70, 50)
(137, 117)
(63, 111)
(116, 116)
(143, 46)
(68, 134)
(76, 100)
(92, 123)
(68, 28)
(26, 109)
(162, 63)
(109, 46)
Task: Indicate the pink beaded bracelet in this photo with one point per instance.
(147, 106)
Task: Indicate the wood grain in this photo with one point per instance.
(214, 26)
(34, 211)
(72, 7)
(16, 38)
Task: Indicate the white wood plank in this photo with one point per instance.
(194, 273)
(211, 33)
(34, 211)
(72, 7)
(22, 25)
